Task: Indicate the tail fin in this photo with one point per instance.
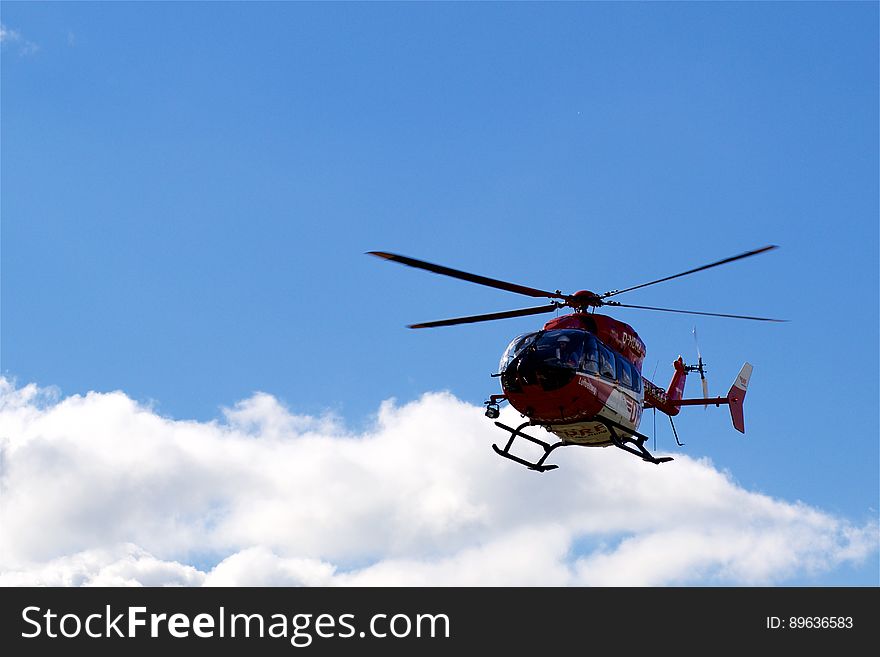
(676, 385)
(737, 395)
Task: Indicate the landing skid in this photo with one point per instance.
(617, 440)
(636, 439)
(539, 464)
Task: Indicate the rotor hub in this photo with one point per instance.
(585, 299)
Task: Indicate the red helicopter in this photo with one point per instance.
(580, 376)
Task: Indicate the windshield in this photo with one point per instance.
(562, 348)
(515, 347)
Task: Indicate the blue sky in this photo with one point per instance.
(188, 191)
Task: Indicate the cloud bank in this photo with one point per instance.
(101, 490)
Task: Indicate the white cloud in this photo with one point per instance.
(9, 37)
(121, 565)
(259, 566)
(98, 489)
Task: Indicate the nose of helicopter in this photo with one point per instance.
(531, 371)
(542, 388)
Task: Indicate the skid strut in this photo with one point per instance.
(636, 439)
(539, 464)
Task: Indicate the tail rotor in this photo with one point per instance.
(699, 367)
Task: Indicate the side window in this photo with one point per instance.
(591, 355)
(623, 372)
(606, 362)
(637, 379)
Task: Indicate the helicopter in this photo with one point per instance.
(580, 376)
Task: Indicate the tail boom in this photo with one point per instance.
(735, 398)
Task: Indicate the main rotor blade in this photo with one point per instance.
(488, 317)
(693, 312)
(465, 276)
(691, 271)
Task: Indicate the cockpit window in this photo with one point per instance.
(561, 348)
(516, 345)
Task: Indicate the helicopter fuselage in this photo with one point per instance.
(569, 378)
